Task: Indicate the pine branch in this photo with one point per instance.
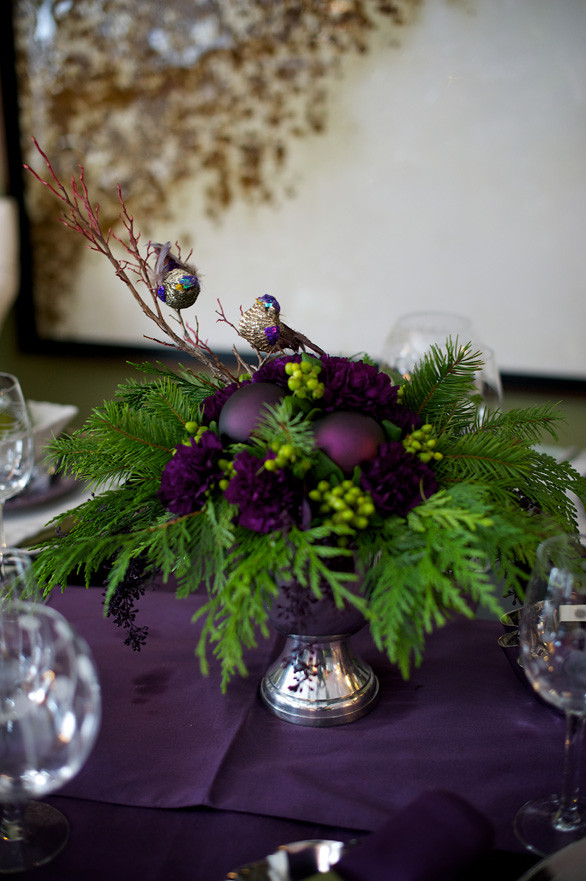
(550, 486)
(527, 425)
(441, 387)
(486, 457)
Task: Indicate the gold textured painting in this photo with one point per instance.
(149, 95)
(357, 160)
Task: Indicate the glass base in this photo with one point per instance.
(37, 838)
(538, 828)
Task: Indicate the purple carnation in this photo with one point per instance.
(189, 474)
(356, 385)
(274, 370)
(397, 480)
(267, 500)
(212, 405)
(349, 385)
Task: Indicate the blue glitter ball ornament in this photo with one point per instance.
(179, 290)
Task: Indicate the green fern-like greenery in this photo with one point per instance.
(498, 499)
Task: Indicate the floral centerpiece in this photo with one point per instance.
(230, 477)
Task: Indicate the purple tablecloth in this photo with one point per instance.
(170, 739)
(116, 843)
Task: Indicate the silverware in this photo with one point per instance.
(292, 862)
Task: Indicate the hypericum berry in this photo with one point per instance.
(343, 503)
(286, 456)
(422, 443)
(227, 466)
(303, 379)
(195, 432)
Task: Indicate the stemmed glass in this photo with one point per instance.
(50, 710)
(413, 334)
(488, 380)
(553, 654)
(17, 453)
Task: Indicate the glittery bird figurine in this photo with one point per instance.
(261, 326)
(176, 283)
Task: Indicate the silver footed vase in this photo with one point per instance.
(317, 679)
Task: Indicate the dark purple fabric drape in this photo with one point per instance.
(169, 739)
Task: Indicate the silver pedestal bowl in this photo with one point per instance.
(317, 680)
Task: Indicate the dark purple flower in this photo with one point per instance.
(190, 473)
(397, 480)
(274, 370)
(213, 404)
(356, 385)
(267, 500)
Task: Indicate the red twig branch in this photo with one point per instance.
(81, 216)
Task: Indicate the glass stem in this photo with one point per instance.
(2, 533)
(568, 816)
(12, 823)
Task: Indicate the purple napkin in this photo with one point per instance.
(437, 836)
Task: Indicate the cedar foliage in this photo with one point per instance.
(498, 498)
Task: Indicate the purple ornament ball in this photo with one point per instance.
(348, 438)
(241, 412)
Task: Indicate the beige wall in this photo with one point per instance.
(451, 175)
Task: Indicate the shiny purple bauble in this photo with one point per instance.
(241, 413)
(348, 438)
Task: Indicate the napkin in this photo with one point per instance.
(434, 838)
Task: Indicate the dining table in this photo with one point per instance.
(189, 782)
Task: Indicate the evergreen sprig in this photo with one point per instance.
(480, 500)
(443, 558)
(442, 387)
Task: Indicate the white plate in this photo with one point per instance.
(568, 864)
(48, 420)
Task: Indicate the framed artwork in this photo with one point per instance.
(356, 160)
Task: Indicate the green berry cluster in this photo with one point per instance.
(303, 379)
(195, 430)
(286, 457)
(345, 502)
(422, 443)
(227, 466)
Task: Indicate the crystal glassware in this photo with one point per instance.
(488, 381)
(17, 455)
(553, 654)
(50, 710)
(413, 334)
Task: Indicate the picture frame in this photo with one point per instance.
(419, 181)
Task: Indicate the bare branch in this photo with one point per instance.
(80, 215)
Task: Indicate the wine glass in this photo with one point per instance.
(488, 380)
(50, 709)
(17, 454)
(413, 334)
(553, 654)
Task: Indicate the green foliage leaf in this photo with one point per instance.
(498, 498)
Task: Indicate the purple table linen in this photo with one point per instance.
(463, 723)
(438, 837)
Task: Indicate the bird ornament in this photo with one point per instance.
(261, 326)
(176, 283)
